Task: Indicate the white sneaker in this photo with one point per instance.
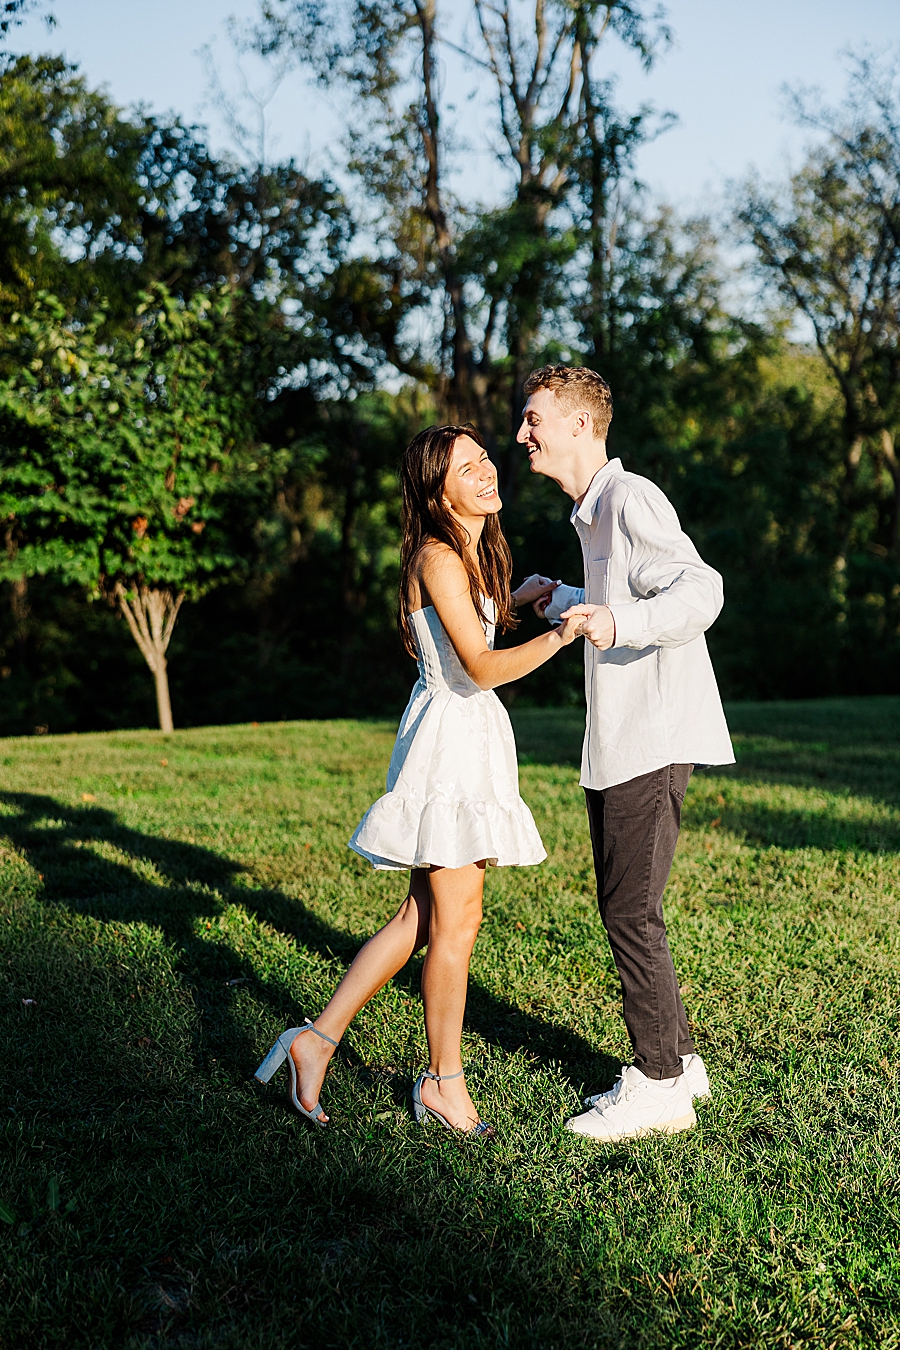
(695, 1076)
(637, 1105)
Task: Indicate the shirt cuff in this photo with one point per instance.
(563, 598)
(629, 623)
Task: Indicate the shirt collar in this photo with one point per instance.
(585, 511)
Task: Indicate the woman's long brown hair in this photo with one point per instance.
(426, 519)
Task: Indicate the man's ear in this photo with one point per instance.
(582, 422)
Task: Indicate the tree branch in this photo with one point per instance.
(138, 625)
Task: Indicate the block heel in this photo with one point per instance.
(275, 1058)
(273, 1061)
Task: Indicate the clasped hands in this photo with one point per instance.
(598, 625)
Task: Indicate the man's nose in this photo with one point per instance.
(523, 433)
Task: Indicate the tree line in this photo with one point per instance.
(209, 364)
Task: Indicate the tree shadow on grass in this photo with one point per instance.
(830, 828)
(91, 863)
(198, 1220)
(196, 1223)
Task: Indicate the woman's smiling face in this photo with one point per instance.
(470, 488)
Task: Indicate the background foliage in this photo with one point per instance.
(343, 314)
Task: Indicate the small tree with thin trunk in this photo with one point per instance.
(131, 470)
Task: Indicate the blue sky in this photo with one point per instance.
(723, 77)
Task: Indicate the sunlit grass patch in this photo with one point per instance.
(170, 904)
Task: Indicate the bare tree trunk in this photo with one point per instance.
(349, 595)
(855, 442)
(523, 329)
(163, 701)
(596, 190)
(893, 463)
(150, 612)
(466, 396)
(18, 602)
(19, 606)
(540, 154)
(520, 339)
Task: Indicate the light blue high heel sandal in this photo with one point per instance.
(480, 1131)
(280, 1052)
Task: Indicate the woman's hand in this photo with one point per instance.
(536, 591)
(569, 629)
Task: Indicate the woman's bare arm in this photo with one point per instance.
(443, 577)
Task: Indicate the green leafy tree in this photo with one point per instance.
(88, 195)
(495, 277)
(830, 243)
(131, 470)
(96, 206)
(99, 203)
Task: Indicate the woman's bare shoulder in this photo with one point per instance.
(439, 574)
(439, 561)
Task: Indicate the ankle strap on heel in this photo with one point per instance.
(309, 1027)
(442, 1077)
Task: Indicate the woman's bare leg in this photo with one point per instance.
(456, 900)
(374, 964)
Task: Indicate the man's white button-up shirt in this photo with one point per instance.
(652, 698)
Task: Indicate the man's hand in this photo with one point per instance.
(598, 624)
(535, 591)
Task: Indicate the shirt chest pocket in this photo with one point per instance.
(597, 588)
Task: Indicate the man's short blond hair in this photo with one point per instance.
(576, 387)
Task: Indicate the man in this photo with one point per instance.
(653, 712)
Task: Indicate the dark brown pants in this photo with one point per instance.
(634, 830)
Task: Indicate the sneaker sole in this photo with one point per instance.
(668, 1127)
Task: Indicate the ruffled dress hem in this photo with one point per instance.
(399, 832)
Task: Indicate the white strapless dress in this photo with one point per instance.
(453, 783)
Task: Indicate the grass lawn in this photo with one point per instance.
(170, 904)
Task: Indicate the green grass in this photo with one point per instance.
(170, 904)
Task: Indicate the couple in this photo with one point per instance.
(453, 805)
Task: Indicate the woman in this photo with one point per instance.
(452, 803)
